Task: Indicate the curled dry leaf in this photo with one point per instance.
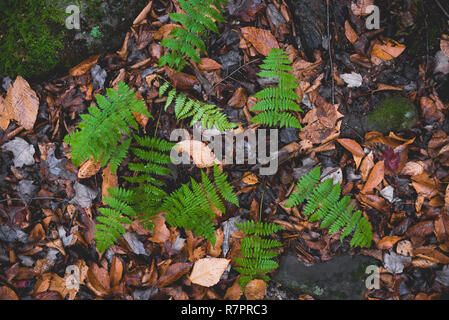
(22, 103)
(164, 31)
(215, 251)
(351, 35)
(208, 271)
(355, 149)
(116, 271)
(375, 177)
(238, 99)
(388, 242)
(173, 273)
(110, 180)
(200, 153)
(209, 64)
(98, 280)
(84, 66)
(250, 178)
(143, 14)
(89, 168)
(405, 248)
(181, 80)
(387, 50)
(160, 231)
(234, 292)
(255, 289)
(367, 165)
(261, 39)
(7, 293)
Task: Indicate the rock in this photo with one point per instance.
(392, 114)
(341, 278)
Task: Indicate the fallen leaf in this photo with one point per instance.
(255, 289)
(388, 242)
(405, 248)
(181, 80)
(84, 66)
(208, 271)
(238, 99)
(375, 177)
(250, 178)
(116, 272)
(367, 165)
(351, 35)
(160, 231)
(7, 293)
(4, 115)
(215, 251)
(387, 50)
(110, 180)
(143, 14)
(89, 168)
(432, 255)
(22, 103)
(234, 292)
(173, 273)
(200, 153)
(355, 149)
(209, 64)
(261, 39)
(98, 280)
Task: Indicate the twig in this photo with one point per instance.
(330, 51)
(442, 8)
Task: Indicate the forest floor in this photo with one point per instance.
(397, 171)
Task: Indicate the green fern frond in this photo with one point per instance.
(101, 130)
(209, 115)
(324, 203)
(193, 205)
(142, 201)
(276, 102)
(256, 258)
(185, 41)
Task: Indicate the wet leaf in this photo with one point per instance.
(160, 231)
(98, 280)
(208, 271)
(173, 273)
(209, 64)
(351, 35)
(7, 293)
(234, 292)
(255, 289)
(375, 177)
(116, 272)
(4, 115)
(261, 39)
(22, 103)
(84, 66)
(89, 168)
(387, 242)
(238, 99)
(110, 180)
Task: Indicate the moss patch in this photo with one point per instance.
(393, 114)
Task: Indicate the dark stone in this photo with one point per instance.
(341, 278)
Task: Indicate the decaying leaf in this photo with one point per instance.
(208, 271)
(375, 177)
(22, 103)
(261, 39)
(255, 289)
(200, 153)
(84, 66)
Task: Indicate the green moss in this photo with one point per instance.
(393, 114)
(30, 36)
